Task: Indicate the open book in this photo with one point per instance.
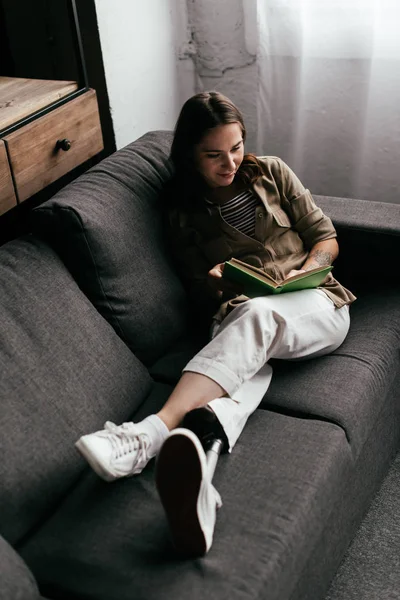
(256, 282)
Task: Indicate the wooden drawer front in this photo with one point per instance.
(7, 195)
(35, 159)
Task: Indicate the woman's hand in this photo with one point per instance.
(218, 284)
(294, 272)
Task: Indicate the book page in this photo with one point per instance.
(307, 273)
(259, 273)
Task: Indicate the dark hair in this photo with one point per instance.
(199, 114)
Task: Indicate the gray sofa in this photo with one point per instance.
(94, 326)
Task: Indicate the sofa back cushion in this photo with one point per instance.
(63, 372)
(107, 227)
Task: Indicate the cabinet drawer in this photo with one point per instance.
(7, 195)
(36, 156)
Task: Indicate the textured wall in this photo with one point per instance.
(217, 51)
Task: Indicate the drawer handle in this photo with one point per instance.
(64, 144)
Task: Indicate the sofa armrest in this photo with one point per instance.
(16, 580)
(368, 236)
(365, 215)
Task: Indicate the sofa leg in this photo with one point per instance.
(212, 455)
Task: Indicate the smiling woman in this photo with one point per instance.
(202, 147)
(222, 203)
(219, 155)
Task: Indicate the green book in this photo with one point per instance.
(256, 282)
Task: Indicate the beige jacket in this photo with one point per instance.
(288, 225)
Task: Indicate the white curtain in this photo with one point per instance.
(329, 101)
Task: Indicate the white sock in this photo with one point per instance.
(157, 431)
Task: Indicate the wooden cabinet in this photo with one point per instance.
(7, 194)
(54, 144)
(39, 150)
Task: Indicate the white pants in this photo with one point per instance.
(296, 325)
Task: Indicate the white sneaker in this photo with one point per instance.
(186, 492)
(116, 451)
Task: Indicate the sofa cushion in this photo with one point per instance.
(278, 487)
(63, 372)
(348, 387)
(16, 580)
(107, 227)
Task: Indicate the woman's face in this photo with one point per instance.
(219, 155)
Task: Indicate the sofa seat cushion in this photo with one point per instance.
(349, 386)
(108, 229)
(278, 487)
(16, 580)
(63, 372)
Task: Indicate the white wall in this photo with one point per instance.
(138, 45)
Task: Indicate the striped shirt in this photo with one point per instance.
(239, 212)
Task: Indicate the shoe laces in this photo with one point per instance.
(126, 439)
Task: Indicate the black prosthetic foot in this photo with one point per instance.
(204, 423)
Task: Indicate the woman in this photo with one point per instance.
(223, 203)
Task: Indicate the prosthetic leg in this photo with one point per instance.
(204, 423)
(184, 470)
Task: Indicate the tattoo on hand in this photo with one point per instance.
(320, 258)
